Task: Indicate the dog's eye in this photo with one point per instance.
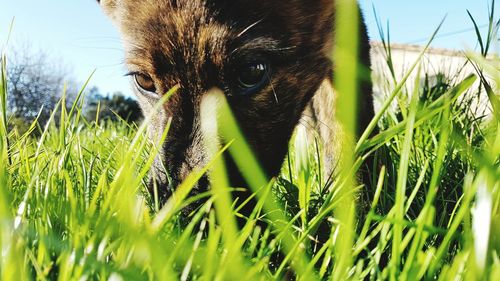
(145, 82)
(252, 76)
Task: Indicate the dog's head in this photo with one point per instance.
(268, 57)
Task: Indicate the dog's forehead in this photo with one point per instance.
(187, 16)
(149, 20)
(169, 33)
(183, 30)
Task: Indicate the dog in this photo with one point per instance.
(271, 59)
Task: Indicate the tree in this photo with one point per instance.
(35, 84)
(112, 107)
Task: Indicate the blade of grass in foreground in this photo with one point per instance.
(12, 248)
(429, 209)
(346, 83)
(4, 145)
(256, 179)
(401, 189)
(220, 187)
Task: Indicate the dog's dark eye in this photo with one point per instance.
(145, 82)
(252, 76)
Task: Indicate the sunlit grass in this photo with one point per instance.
(74, 202)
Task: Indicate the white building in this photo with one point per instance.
(453, 65)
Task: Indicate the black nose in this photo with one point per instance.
(202, 186)
(203, 183)
(164, 186)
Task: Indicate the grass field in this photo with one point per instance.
(74, 205)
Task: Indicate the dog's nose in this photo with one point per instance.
(163, 185)
(203, 183)
(200, 187)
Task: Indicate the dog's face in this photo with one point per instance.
(268, 57)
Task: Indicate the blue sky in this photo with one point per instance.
(79, 34)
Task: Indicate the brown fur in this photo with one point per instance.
(194, 44)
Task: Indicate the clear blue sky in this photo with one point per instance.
(78, 33)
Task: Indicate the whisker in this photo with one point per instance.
(249, 27)
(306, 124)
(272, 87)
(319, 122)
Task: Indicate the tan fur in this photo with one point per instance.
(320, 123)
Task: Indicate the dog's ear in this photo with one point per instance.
(109, 7)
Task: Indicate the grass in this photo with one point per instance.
(74, 205)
